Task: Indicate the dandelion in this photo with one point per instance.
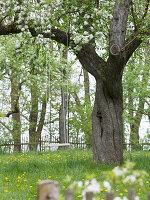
(5, 190)
(79, 196)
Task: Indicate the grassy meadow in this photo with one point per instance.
(19, 173)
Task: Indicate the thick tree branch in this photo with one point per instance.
(90, 60)
(55, 34)
(118, 26)
(16, 110)
(9, 29)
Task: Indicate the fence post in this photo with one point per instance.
(89, 195)
(47, 190)
(148, 197)
(131, 194)
(109, 196)
(69, 194)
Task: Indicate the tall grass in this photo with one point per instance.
(19, 173)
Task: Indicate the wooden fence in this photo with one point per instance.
(49, 190)
(44, 144)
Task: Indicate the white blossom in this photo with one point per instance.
(77, 39)
(77, 48)
(90, 36)
(85, 23)
(86, 33)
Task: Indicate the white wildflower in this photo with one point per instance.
(87, 182)
(117, 198)
(124, 170)
(80, 184)
(129, 178)
(117, 171)
(137, 198)
(107, 185)
(93, 187)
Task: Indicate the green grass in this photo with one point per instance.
(19, 173)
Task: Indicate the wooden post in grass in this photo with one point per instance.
(69, 194)
(47, 190)
(148, 197)
(109, 196)
(131, 194)
(89, 195)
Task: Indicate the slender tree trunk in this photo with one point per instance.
(33, 119)
(134, 133)
(87, 132)
(42, 116)
(62, 117)
(63, 137)
(16, 132)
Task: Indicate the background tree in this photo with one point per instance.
(136, 93)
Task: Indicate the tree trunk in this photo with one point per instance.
(62, 117)
(42, 117)
(87, 131)
(16, 132)
(107, 126)
(33, 139)
(134, 133)
(63, 136)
